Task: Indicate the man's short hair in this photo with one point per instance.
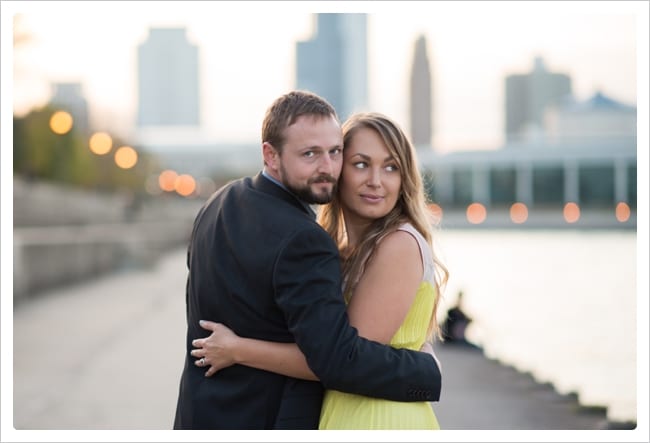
(286, 109)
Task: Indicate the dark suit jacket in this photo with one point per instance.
(259, 263)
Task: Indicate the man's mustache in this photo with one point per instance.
(322, 179)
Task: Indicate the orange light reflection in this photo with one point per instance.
(436, 212)
(476, 213)
(622, 212)
(518, 213)
(571, 212)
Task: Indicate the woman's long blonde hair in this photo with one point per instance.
(411, 207)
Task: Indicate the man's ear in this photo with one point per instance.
(271, 156)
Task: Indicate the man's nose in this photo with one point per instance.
(326, 165)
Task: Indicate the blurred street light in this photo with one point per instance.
(167, 180)
(476, 213)
(571, 212)
(622, 212)
(185, 185)
(518, 213)
(100, 143)
(436, 212)
(61, 122)
(126, 157)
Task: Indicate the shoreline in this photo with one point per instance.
(506, 398)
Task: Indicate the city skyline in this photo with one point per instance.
(470, 57)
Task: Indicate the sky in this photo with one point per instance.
(247, 50)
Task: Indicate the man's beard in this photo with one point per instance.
(305, 192)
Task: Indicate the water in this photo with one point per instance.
(558, 304)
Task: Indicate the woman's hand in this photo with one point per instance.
(216, 350)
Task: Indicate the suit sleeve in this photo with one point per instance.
(307, 285)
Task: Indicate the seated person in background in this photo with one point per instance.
(453, 328)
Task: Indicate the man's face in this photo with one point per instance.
(311, 158)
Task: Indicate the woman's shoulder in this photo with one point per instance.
(408, 227)
(424, 248)
(400, 243)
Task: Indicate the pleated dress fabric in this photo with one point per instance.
(349, 411)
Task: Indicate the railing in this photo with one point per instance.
(62, 235)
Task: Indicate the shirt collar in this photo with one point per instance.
(280, 184)
(274, 180)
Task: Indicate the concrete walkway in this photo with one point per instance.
(479, 393)
(107, 354)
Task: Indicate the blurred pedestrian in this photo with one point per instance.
(456, 322)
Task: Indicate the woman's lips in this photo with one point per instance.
(371, 198)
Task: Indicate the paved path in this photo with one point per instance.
(479, 393)
(108, 354)
(109, 351)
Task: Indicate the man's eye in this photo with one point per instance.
(309, 154)
(336, 151)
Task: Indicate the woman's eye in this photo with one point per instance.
(392, 168)
(360, 165)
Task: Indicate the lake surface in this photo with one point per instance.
(560, 304)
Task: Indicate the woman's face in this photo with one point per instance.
(370, 181)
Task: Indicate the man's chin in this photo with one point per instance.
(323, 194)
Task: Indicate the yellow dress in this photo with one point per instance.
(342, 410)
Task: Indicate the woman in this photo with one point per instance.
(380, 222)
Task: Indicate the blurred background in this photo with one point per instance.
(127, 116)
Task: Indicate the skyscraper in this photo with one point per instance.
(528, 95)
(168, 79)
(333, 64)
(421, 113)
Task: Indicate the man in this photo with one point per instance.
(260, 264)
(454, 326)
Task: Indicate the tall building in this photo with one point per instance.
(421, 112)
(69, 97)
(168, 79)
(334, 62)
(528, 96)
